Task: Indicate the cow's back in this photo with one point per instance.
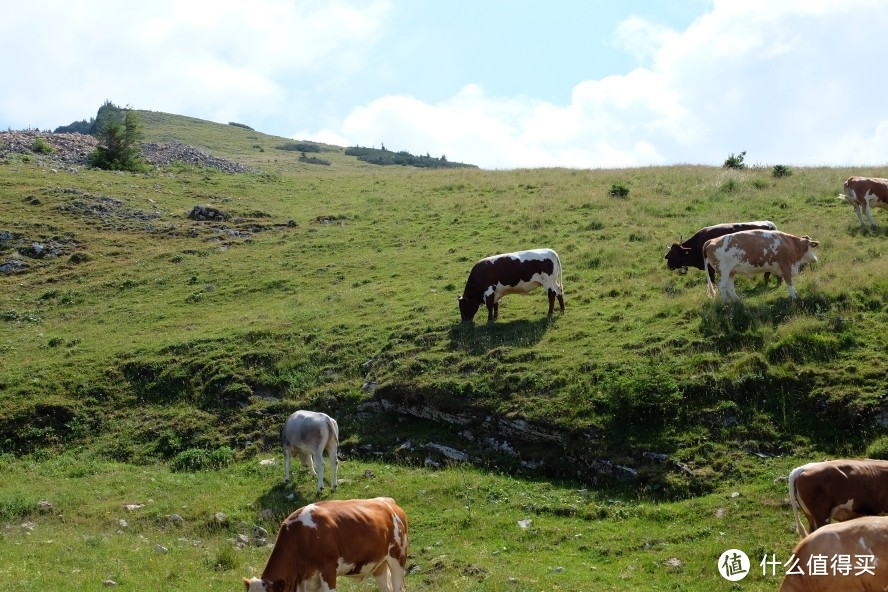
(863, 541)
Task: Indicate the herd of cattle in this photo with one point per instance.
(362, 537)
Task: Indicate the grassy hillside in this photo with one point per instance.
(146, 335)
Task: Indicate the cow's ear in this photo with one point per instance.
(815, 243)
(246, 584)
(460, 298)
(685, 249)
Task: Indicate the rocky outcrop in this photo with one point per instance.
(73, 150)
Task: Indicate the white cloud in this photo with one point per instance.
(784, 81)
(219, 58)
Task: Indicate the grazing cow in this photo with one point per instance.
(307, 434)
(353, 538)
(838, 490)
(864, 193)
(843, 557)
(690, 252)
(756, 251)
(511, 273)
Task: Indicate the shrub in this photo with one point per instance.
(735, 161)
(878, 449)
(41, 146)
(618, 190)
(235, 124)
(781, 170)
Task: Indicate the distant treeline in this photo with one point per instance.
(107, 112)
(387, 157)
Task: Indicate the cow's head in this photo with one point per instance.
(677, 257)
(467, 308)
(257, 585)
(809, 254)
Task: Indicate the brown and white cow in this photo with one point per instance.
(690, 252)
(752, 252)
(864, 193)
(842, 557)
(353, 538)
(306, 434)
(838, 490)
(511, 273)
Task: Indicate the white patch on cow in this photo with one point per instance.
(256, 585)
(843, 511)
(305, 518)
(342, 567)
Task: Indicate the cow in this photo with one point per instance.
(353, 538)
(863, 193)
(755, 251)
(838, 490)
(842, 557)
(690, 252)
(496, 276)
(306, 434)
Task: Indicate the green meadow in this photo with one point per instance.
(151, 360)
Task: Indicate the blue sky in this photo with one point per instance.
(502, 84)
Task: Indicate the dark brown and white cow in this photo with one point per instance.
(511, 273)
(751, 252)
(690, 252)
(306, 434)
(843, 557)
(838, 490)
(353, 538)
(864, 193)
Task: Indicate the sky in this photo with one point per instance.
(501, 84)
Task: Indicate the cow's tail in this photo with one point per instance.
(794, 499)
(560, 273)
(334, 429)
(710, 287)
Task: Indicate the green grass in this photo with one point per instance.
(156, 339)
(464, 525)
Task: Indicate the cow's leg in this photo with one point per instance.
(786, 272)
(383, 577)
(318, 457)
(726, 286)
(859, 216)
(492, 308)
(551, 294)
(327, 577)
(869, 214)
(286, 464)
(393, 573)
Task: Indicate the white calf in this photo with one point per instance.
(307, 434)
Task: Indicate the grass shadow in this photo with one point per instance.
(282, 499)
(480, 339)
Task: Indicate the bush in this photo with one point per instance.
(735, 161)
(618, 190)
(878, 449)
(781, 170)
(41, 146)
(235, 124)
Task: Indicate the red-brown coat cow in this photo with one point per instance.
(838, 490)
(354, 538)
(756, 251)
(511, 273)
(843, 557)
(864, 193)
(690, 252)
